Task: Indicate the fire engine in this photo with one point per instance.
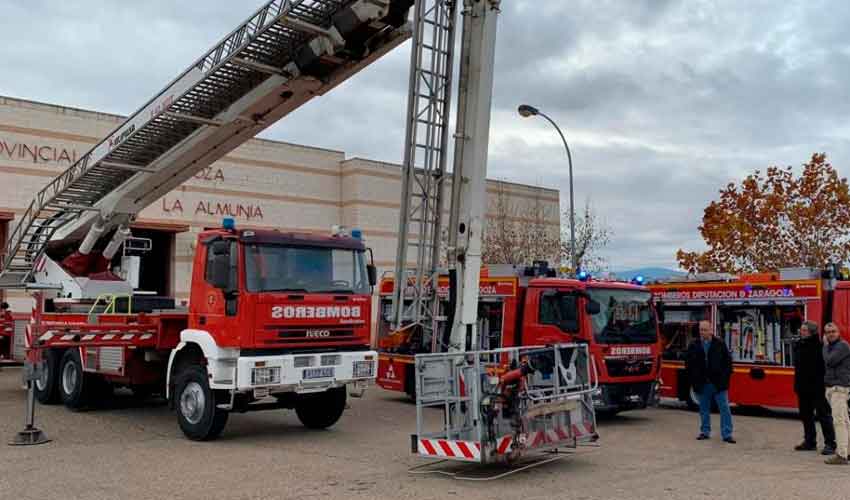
(758, 316)
(275, 320)
(520, 306)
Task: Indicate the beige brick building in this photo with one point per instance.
(261, 184)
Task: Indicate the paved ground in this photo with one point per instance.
(138, 452)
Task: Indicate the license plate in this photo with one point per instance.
(313, 373)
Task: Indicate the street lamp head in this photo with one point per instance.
(526, 111)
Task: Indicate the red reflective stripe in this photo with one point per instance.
(589, 427)
(478, 445)
(446, 448)
(430, 449)
(561, 433)
(503, 445)
(464, 449)
(576, 431)
(539, 438)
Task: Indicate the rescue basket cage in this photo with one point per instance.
(502, 404)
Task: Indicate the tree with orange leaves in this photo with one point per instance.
(776, 220)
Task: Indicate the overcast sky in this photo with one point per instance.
(662, 102)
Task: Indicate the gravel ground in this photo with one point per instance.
(136, 451)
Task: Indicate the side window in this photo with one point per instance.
(558, 310)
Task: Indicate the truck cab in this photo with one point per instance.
(616, 319)
(276, 320)
(522, 306)
(264, 291)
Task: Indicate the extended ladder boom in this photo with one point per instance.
(288, 52)
(469, 184)
(414, 300)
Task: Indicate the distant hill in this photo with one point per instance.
(648, 273)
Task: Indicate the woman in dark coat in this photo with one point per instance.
(808, 384)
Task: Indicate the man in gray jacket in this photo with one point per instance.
(836, 357)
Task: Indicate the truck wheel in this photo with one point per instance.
(47, 386)
(321, 410)
(75, 386)
(199, 417)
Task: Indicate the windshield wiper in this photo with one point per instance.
(299, 290)
(335, 290)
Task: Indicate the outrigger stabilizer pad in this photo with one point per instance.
(29, 437)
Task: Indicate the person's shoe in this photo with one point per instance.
(836, 460)
(828, 450)
(804, 446)
(729, 440)
(702, 437)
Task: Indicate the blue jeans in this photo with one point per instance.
(709, 394)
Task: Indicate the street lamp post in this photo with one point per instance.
(527, 111)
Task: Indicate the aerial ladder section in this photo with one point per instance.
(498, 405)
(424, 168)
(285, 54)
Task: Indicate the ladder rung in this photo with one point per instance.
(191, 119)
(258, 66)
(124, 166)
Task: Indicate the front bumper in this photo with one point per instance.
(303, 373)
(621, 397)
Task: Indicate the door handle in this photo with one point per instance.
(202, 320)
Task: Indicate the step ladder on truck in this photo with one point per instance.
(502, 405)
(245, 342)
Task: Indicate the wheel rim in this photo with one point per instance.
(192, 402)
(70, 377)
(41, 381)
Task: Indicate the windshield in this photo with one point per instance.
(625, 317)
(278, 268)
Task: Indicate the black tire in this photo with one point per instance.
(76, 387)
(607, 414)
(321, 410)
(410, 383)
(47, 387)
(199, 417)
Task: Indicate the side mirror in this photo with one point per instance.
(659, 311)
(220, 272)
(592, 307)
(372, 271)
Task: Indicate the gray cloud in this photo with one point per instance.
(662, 102)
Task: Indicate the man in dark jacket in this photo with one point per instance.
(709, 368)
(836, 357)
(808, 384)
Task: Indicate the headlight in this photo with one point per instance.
(363, 369)
(266, 376)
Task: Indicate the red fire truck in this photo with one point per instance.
(759, 317)
(276, 320)
(517, 308)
